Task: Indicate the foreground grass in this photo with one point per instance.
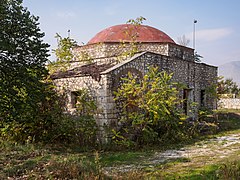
(31, 162)
(220, 161)
(227, 169)
(36, 162)
(207, 159)
(41, 162)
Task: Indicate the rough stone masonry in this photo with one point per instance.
(100, 65)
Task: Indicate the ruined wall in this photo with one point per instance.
(97, 90)
(181, 52)
(195, 76)
(229, 103)
(111, 52)
(206, 77)
(103, 50)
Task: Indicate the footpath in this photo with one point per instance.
(202, 153)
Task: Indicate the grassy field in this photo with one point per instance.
(209, 157)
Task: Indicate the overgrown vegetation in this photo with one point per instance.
(28, 103)
(30, 109)
(131, 34)
(227, 88)
(39, 141)
(150, 112)
(64, 54)
(31, 161)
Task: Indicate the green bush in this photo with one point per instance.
(149, 109)
(35, 127)
(51, 124)
(80, 131)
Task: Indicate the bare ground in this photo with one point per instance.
(202, 153)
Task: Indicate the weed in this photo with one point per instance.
(229, 170)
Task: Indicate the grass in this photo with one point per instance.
(127, 157)
(208, 172)
(226, 170)
(228, 110)
(39, 162)
(35, 161)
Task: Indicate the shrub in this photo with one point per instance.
(41, 124)
(52, 125)
(150, 110)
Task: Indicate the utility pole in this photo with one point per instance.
(69, 33)
(194, 29)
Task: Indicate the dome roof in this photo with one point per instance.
(128, 32)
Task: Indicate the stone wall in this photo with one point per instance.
(169, 57)
(181, 52)
(229, 103)
(103, 50)
(97, 90)
(195, 76)
(111, 52)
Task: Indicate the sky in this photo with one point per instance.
(217, 36)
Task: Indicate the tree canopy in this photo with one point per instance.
(23, 56)
(227, 86)
(64, 54)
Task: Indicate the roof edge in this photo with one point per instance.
(123, 63)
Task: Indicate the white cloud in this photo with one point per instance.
(213, 34)
(66, 15)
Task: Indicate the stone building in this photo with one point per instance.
(106, 58)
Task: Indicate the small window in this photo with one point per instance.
(84, 103)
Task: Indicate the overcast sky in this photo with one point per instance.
(217, 27)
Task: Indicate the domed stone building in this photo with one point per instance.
(107, 57)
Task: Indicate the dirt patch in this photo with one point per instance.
(201, 153)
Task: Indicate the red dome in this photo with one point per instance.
(126, 32)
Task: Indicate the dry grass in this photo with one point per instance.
(215, 157)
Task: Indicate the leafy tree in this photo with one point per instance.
(149, 107)
(227, 86)
(63, 52)
(24, 96)
(64, 49)
(85, 105)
